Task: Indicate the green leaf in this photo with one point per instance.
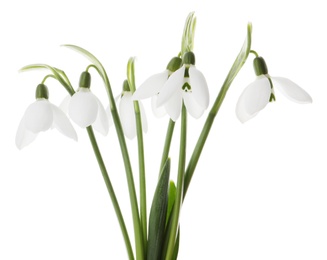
(92, 58)
(241, 57)
(130, 74)
(157, 219)
(176, 248)
(171, 199)
(57, 73)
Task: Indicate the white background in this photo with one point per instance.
(260, 189)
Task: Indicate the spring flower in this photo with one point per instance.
(41, 116)
(188, 85)
(260, 92)
(127, 112)
(85, 109)
(153, 85)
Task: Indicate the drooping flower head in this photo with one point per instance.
(85, 109)
(153, 85)
(127, 113)
(180, 82)
(41, 116)
(187, 85)
(260, 92)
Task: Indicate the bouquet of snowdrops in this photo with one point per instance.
(179, 90)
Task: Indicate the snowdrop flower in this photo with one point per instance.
(260, 92)
(41, 116)
(153, 85)
(85, 109)
(188, 85)
(127, 112)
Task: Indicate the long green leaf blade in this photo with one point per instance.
(157, 220)
(58, 74)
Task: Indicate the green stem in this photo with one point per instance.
(138, 234)
(254, 52)
(179, 188)
(237, 65)
(169, 135)
(203, 136)
(140, 142)
(131, 186)
(111, 192)
(143, 208)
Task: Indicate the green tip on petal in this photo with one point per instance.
(42, 92)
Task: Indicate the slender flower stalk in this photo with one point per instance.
(179, 188)
(237, 65)
(140, 143)
(169, 136)
(111, 192)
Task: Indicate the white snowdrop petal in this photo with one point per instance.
(199, 87)
(174, 83)
(241, 114)
(101, 123)
(253, 99)
(64, 105)
(174, 105)
(38, 116)
(127, 116)
(62, 123)
(23, 136)
(83, 108)
(291, 90)
(158, 111)
(192, 106)
(151, 86)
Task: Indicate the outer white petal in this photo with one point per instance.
(127, 116)
(83, 108)
(62, 123)
(64, 105)
(151, 86)
(38, 116)
(23, 136)
(174, 105)
(101, 123)
(199, 87)
(174, 83)
(253, 99)
(291, 90)
(158, 111)
(192, 106)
